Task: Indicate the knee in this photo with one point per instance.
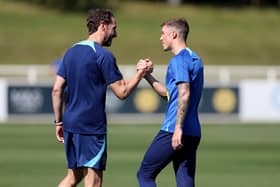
(139, 174)
(145, 179)
(144, 175)
(75, 181)
(69, 181)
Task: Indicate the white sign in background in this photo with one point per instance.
(259, 101)
(3, 100)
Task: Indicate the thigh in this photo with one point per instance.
(91, 151)
(85, 150)
(93, 177)
(184, 162)
(158, 155)
(70, 150)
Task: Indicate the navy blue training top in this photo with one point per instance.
(88, 69)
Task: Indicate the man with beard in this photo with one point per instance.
(87, 70)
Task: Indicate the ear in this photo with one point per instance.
(174, 34)
(102, 26)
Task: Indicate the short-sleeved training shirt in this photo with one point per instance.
(185, 67)
(88, 69)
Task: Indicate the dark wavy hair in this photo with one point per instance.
(97, 16)
(180, 24)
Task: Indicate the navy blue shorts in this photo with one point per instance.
(83, 150)
(160, 153)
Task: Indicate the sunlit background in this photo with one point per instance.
(239, 44)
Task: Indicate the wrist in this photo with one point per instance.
(58, 123)
(140, 73)
(178, 127)
(147, 76)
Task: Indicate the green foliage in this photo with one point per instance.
(34, 35)
(229, 155)
(70, 5)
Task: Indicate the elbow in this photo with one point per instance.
(123, 94)
(56, 92)
(186, 98)
(122, 97)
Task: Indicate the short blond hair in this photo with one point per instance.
(179, 24)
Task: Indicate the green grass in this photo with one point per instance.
(229, 155)
(31, 34)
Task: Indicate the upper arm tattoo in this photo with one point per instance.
(183, 101)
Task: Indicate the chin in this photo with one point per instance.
(166, 49)
(107, 43)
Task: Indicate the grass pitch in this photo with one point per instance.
(229, 155)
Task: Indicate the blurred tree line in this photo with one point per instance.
(72, 5)
(80, 5)
(259, 3)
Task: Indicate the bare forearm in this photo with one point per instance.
(57, 100)
(122, 88)
(132, 83)
(157, 86)
(57, 97)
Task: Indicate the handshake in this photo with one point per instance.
(145, 66)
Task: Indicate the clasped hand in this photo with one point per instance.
(145, 65)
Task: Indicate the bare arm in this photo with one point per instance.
(58, 105)
(123, 88)
(157, 86)
(182, 107)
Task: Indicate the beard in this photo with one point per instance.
(107, 42)
(166, 48)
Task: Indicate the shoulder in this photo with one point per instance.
(179, 59)
(182, 56)
(193, 54)
(189, 56)
(186, 59)
(103, 52)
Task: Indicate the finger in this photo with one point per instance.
(141, 63)
(60, 139)
(142, 67)
(174, 145)
(177, 144)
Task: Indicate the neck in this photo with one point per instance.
(178, 47)
(95, 38)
